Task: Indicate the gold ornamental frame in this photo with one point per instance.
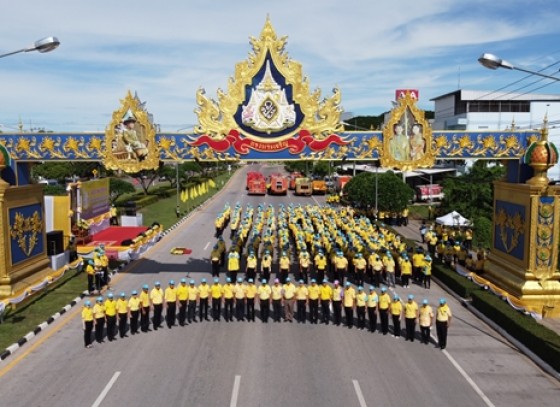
(408, 161)
(321, 115)
(126, 154)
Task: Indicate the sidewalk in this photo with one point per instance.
(412, 232)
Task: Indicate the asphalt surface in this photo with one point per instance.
(256, 364)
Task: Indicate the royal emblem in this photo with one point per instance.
(26, 230)
(510, 229)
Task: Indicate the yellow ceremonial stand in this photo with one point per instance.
(18, 274)
(523, 260)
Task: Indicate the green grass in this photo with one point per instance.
(37, 309)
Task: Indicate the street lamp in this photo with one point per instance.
(43, 45)
(491, 61)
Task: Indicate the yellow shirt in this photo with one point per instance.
(227, 289)
(301, 292)
(277, 292)
(144, 299)
(372, 300)
(182, 292)
(361, 299)
(410, 309)
(289, 291)
(384, 301)
(233, 263)
(134, 303)
(204, 291)
(426, 315)
(252, 262)
(156, 296)
(98, 311)
(170, 294)
(360, 263)
(320, 262)
(251, 291)
(340, 262)
(87, 314)
(443, 313)
(90, 270)
(264, 292)
(122, 306)
(349, 297)
(192, 292)
(326, 292)
(110, 308)
(216, 290)
(239, 291)
(266, 261)
(396, 308)
(406, 268)
(284, 262)
(337, 294)
(313, 291)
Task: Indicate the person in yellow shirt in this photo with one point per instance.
(427, 271)
(340, 266)
(203, 295)
(227, 292)
(239, 292)
(99, 317)
(170, 297)
(283, 267)
(410, 317)
(289, 295)
(264, 292)
(443, 320)
(192, 297)
(360, 265)
(87, 323)
(134, 309)
(301, 298)
(406, 270)
(216, 293)
(111, 316)
(304, 264)
(266, 265)
(90, 271)
(389, 265)
(425, 319)
(276, 296)
(233, 264)
(182, 297)
(320, 262)
(313, 297)
(250, 294)
(338, 293)
(349, 299)
(156, 298)
(372, 301)
(361, 300)
(418, 265)
(396, 312)
(145, 304)
(251, 268)
(122, 311)
(383, 305)
(326, 294)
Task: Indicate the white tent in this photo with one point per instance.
(453, 219)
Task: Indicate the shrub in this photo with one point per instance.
(459, 284)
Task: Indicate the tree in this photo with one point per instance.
(392, 193)
(64, 169)
(119, 187)
(299, 166)
(322, 168)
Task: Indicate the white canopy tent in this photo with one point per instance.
(453, 219)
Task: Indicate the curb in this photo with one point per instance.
(522, 348)
(42, 326)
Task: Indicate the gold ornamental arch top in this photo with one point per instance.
(130, 138)
(320, 117)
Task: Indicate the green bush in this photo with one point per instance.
(459, 284)
(539, 339)
(146, 200)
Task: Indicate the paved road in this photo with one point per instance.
(255, 364)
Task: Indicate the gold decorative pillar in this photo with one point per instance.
(524, 255)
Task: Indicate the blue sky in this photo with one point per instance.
(166, 50)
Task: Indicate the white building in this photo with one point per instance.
(471, 110)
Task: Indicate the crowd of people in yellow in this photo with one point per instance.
(190, 303)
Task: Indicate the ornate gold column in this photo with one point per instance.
(524, 255)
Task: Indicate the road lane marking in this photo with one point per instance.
(235, 392)
(359, 393)
(206, 247)
(466, 376)
(105, 391)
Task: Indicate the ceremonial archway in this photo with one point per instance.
(269, 112)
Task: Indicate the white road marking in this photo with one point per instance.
(206, 247)
(235, 392)
(105, 391)
(359, 393)
(466, 376)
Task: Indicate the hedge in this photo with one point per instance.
(459, 284)
(542, 341)
(145, 201)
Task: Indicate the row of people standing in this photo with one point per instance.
(324, 303)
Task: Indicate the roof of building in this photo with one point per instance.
(465, 94)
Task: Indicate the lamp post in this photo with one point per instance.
(491, 61)
(43, 45)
